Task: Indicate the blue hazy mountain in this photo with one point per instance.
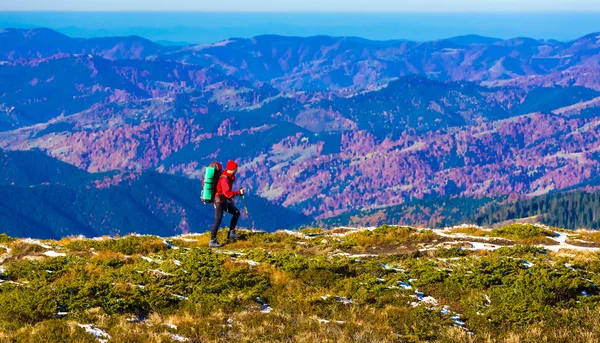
(206, 27)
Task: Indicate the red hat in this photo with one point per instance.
(231, 165)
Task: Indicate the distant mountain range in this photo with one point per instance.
(322, 126)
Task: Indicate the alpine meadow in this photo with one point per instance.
(276, 186)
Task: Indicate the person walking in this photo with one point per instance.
(224, 203)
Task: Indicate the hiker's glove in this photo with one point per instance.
(242, 191)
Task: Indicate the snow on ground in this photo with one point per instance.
(560, 237)
(388, 267)
(352, 230)
(179, 296)
(171, 246)
(345, 254)
(36, 242)
(431, 301)
(329, 321)
(344, 300)
(265, 308)
(100, 335)
(404, 285)
(149, 259)
(160, 272)
(177, 262)
(179, 338)
(188, 240)
(6, 248)
(527, 264)
(52, 253)
(250, 262)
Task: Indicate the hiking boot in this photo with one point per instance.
(233, 235)
(214, 244)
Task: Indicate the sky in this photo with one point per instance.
(305, 5)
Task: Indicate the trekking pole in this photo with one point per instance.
(244, 200)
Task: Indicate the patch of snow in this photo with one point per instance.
(250, 262)
(178, 296)
(352, 230)
(329, 321)
(590, 281)
(560, 237)
(177, 262)
(295, 233)
(6, 248)
(355, 255)
(160, 272)
(52, 253)
(404, 285)
(135, 320)
(429, 300)
(483, 246)
(62, 313)
(344, 300)
(388, 267)
(171, 326)
(100, 335)
(145, 258)
(422, 299)
(229, 322)
(527, 264)
(265, 308)
(456, 319)
(36, 242)
(179, 338)
(171, 246)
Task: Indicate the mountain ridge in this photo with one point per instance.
(321, 126)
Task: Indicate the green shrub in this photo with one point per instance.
(27, 305)
(521, 231)
(4, 238)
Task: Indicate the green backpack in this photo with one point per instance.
(209, 182)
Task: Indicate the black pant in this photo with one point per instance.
(219, 208)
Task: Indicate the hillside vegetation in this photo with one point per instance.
(518, 283)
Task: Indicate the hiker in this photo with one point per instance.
(224, 202)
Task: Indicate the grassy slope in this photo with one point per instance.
(138, 289)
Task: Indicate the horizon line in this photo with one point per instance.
(594, 11)
(309, 36)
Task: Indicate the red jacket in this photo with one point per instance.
(225, 188)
